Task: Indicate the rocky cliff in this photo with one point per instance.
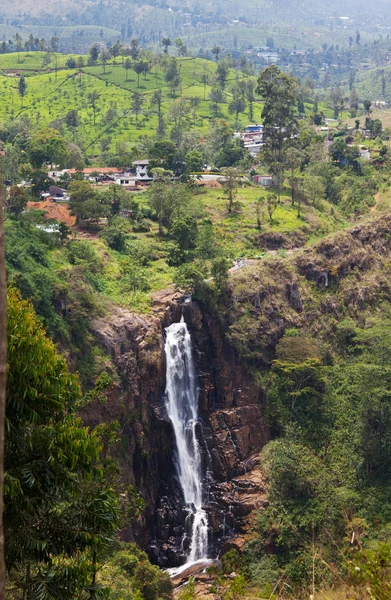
(231, 433)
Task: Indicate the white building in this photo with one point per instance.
(142, 170)
(126, 179)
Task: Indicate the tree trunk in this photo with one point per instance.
(3, 364)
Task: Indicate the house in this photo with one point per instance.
(56, 192)
(271, 57)
(265, 180)
(126, 179)
(252, 138)
(141, 167)
(93, 172)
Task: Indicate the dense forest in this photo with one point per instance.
(197, 252)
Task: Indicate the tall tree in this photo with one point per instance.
(22, 88)
(3, 364)
(139, 67)
(104, 56)
(166, 42)
(18, 44)
(230, 184)
(137, 103)
(216, 50)
(93, 98)
(250, 88)
(56, 505)
(160, 196)
(134, 49)
(127, 66)
(279, 92)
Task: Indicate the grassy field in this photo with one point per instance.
(50, 95)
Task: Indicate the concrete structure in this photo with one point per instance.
(265, 180)
(252, 138)
(142, 170)
(126, 179)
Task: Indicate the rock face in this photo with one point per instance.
(231, 433)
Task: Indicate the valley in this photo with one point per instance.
(199, 334)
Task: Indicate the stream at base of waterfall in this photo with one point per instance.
(182, 409)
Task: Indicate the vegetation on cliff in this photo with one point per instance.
(315, 330)
(62, 507)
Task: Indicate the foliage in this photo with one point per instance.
(56, 509)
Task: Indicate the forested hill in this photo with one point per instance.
(284, 12)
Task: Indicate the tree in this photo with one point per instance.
(258, 205)
(313, 188)
(134, 49)
(54, 41)
(127, 65)
(217, 97)
(230, 185)
(16, 200)
(293, 162)
(22, 88)
(194, 161)
(166, 42)
(137, 103)
(72, 119)
(216, 51)
(279, 91)
(162, 155)
(115, 50)
(250, 88)
(18, 44)
(222, 74)
(237, 104)
(104, 56)
(93, 98)
(184, 231)
(65, 231)
(367, 106)
(271, 205)
(93, 54)
(159, 196)
(3, 367)
(157, 100)
(354, 100)
(139, 67)
(48, 145)
(79, 193)
(182, 49)
(358, 38)
(57, 508)
(173, 75)
(179, 110)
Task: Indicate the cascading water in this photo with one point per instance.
(182, 409)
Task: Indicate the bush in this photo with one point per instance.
(151, 582)
(114, 238)
(82, 253)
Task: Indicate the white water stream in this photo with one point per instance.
(182, 409)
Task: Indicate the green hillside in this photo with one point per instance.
(51, 94)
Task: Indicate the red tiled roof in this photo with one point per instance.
(90, 170)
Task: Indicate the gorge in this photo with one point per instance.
(229, 432)
(265, 300)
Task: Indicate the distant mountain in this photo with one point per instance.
(174, 14)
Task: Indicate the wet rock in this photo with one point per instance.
(231, 433)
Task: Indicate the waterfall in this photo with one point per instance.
(182, 409)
